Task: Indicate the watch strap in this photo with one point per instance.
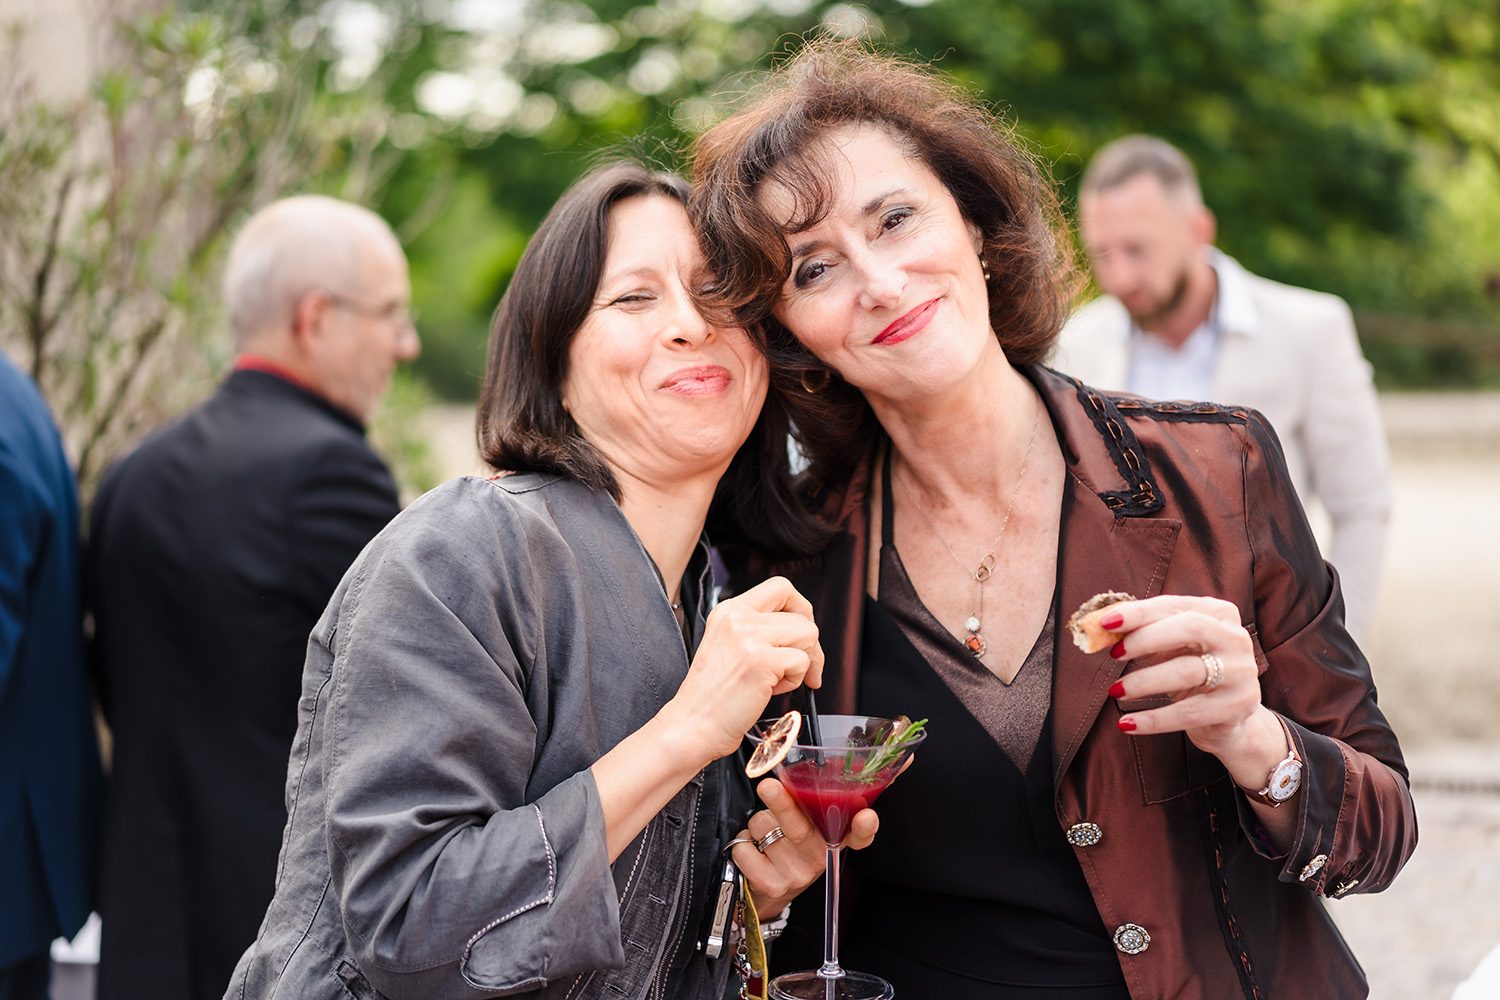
(1292, 757)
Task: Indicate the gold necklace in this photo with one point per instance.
(974, 641)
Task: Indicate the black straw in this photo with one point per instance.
(814, 730)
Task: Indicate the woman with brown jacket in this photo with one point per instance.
(1157, 820)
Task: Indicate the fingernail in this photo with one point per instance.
(1117, 689)
(1111, 622)
(1126, 725)
(1118, 649)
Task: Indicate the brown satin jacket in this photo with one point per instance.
(1189, 499)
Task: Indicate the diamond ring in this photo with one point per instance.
(1213, 670)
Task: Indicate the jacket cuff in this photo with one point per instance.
(1319, 803)
(571, 922)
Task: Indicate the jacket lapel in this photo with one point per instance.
(1114, 537)
(1097, 552)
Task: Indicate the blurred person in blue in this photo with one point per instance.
(49, 754)
(513, 769)
(214, 547)
(1180, 319)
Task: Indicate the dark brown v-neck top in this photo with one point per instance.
(971, 890)
(1011, 713)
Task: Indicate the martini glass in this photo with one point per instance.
(831, 781)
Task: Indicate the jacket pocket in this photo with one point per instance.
(354, 982)
(1168, 764)
(1261, 663)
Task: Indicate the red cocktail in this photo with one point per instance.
(857, 758)
(828, 796)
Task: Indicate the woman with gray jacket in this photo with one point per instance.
(509, 775)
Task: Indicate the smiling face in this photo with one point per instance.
(887, 289)
(660, 392)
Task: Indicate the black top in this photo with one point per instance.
(970, 889)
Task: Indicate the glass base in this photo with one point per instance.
(811, 986)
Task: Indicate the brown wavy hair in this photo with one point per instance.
(999, 186)
(521, 423)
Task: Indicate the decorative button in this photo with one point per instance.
(1313, 867)
(1344, 887)
(1132, 939)
(1084, 834)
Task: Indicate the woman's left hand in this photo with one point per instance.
(1185, 635)
(793, 861)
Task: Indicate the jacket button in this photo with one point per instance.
(1132, 939)
(1312, 867)
(1084, 834)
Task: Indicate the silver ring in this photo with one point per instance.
(737, 840)
(1213, 670)
(776, 834)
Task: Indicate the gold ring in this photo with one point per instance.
(1213, 670)
(776, 834)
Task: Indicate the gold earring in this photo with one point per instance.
(986, 266)
(813, 388)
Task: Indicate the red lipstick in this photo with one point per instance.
(908, 325)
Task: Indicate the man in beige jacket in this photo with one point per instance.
(1181, 320)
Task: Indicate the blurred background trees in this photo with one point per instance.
(1347, 145)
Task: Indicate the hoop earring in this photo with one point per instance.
(812, 388)
(986, 266)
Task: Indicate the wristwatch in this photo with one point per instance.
(1285, 778)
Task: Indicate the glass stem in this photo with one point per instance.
(831, 968)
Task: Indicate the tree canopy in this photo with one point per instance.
(1347, 145)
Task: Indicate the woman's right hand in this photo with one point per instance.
(755, 645)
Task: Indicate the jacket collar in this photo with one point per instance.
(1116, 534)
(252, 381)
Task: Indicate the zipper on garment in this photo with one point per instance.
(658, 978)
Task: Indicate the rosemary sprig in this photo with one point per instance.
(890, 749)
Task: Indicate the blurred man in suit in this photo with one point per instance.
(1181, 320)
(214, 548)
(49, 756)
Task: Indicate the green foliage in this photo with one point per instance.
(117, 204)
(1347, 145)
(397, 433)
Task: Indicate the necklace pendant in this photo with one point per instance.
(974, 642)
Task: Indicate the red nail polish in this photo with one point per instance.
(1117, 689)
(1126, 725)
(1111, 622)
(1118, 649)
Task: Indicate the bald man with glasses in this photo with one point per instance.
(214, 547)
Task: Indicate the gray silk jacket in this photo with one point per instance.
(445, 838)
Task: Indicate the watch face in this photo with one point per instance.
(1285, 780)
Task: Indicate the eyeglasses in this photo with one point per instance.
(404, 317)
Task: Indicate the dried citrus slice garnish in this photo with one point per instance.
(775, 745)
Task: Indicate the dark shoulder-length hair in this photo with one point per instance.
(522, 425)
(999, 186)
